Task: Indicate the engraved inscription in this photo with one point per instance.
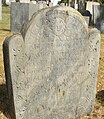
(54, 68)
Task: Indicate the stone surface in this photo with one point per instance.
(76, 5)
(12, 0)
(87, 19)
(34, 2)
(7, 2)
(25, 1)
(51, 69)
(21, 13)
(99, 17)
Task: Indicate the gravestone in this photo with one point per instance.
(89, 6)
(7, 2)
(99, 17)
(51, 69)
(87, 15)
(21, 13)
(34, 2)
(76, 4)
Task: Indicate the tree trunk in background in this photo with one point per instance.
(0, 9)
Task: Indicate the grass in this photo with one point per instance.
(102, 37)
(5, 22)
(98, 112)
(4, 31)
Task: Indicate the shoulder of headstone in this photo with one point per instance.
(94, 32)
(95, 37)
(11, 38)
(26, 26)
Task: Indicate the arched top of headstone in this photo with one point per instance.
(50, 18)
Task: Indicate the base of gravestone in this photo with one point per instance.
(98, 18)
(21, 13)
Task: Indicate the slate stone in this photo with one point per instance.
(51, 69)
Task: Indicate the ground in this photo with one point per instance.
(98, 112)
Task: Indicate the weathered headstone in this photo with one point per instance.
(21, 13)
(51, 69)
(99, 17)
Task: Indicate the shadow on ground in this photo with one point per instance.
(3, 100)
(4, 29)
(100, 97)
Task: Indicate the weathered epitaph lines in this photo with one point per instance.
(51, 70)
